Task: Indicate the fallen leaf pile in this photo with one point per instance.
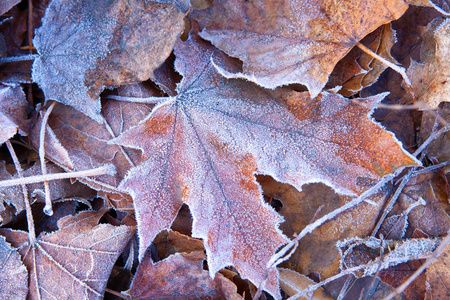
(224, 149)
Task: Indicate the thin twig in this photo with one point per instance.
(431, 138)
(393, 199)
(422, 268)
(398, 69)
(30, 220)
(146, 100)
(115, 293)
(103, 170)
(48, 199)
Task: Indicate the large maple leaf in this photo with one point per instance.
(292, 41)
(203, 147)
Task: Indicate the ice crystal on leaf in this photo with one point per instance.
(204, 146)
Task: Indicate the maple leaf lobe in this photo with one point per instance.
(204, 146)
(284, 42)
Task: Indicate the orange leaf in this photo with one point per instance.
(204, 146)
(283, 42)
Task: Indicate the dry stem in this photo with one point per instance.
(48, 199)
(108, 169)
(393, 66)
(30, 220)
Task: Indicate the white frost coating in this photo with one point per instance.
(205, 145)
(292, 41)
(67, 50)
(378, 100)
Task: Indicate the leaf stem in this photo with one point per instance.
(108, 169)
(147, 100)
(18, 58)
(48, 200)
(30, 220)
(400, 70)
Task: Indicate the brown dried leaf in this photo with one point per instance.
(317, 251)
(170, 242)
(204, 146)
(85, 46)
(431, 78)
(285, 42)
(6, 5)
(439, 149)
(76, 142)
(438, 277)
(59, 188)
(180, 276)
(292, 283)
(380, 42)
(432, 218)
(14, 110)
(13, 274)
(75, 261)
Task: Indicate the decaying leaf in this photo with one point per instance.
(73, 262)
(6, 5)
(283, 42)
(317, 251)
(85, 46)
(438, 277)
(438, 150)
(13, 274)
(431, 218)
(431, 77)
(380, 44)
(13, 112)
(204, 146)
(13, 195)
(76, 142)
(180, 276)
(292, 282)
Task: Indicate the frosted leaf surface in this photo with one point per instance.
(292, 41)
(75, 261)
(203, 147)
(13, 112)
(431, 78)
(13, 274)
(85, 46)
(180, 276)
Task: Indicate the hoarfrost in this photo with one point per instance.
(204, 146)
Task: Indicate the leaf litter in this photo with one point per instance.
(203, 144)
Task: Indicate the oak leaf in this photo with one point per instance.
(283, 42)
(73, 262)
(85, 46)
(203, 147)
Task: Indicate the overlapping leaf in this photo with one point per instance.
(13, 112)
(180, 276)
(291, 41)
(85, 46)
(73, 262)
(13, 274)
(204, 146)
(431, 78)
